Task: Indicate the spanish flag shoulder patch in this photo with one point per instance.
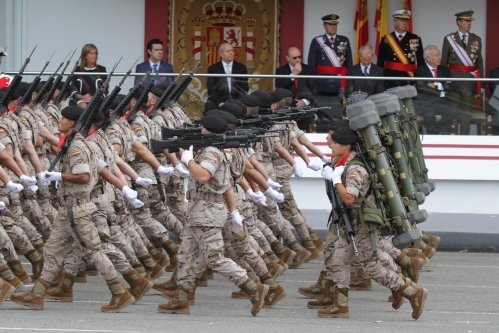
(213, 158)
(111, 131)
(23, 121)
(352, 175)
(137, 128)
(78, 152)
(49, 117)
(2, 130)
(227, 150)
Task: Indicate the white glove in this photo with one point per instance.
(274, 195)
(252, 195)
(180, 169)
(28, 180)
(136, 203)
(187, 155)
(337, 172)
(33, 188)
(327, 173)
(129, 193)
(2, 205)
(165, 171)
(326, 159)
(52, 176)
(16, 188)
(276, 186)
(236, 218)
(316, 166)
(41, 179)
(144, 182)
(297, 171)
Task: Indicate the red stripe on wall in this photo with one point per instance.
(292, 27)
(435, 157)
(156, 24)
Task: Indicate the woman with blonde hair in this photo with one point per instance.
(85, 86)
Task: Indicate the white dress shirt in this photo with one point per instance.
(228, 70)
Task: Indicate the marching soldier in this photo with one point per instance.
(330, 54)
(401, 51)
(462, 52)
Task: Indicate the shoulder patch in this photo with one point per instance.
(227, 150)
(213, 158)
(352, 175)
(111, 131)
(78, 152)
(49, 117)
(137, 128)
(2, 130)
(23, 121)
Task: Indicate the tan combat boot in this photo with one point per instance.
(413, 252)
(153, 268)
(276, 291)
(34, 298)
(6, 290)
(36, 260)
(417, 297)
(359, 281)
(8, 276)
(318, 242)
(19, 271)
(411, 266)
(431, 240)
(158, 256)
(210, 275)
(316, 290)
(64, 291)
(121, 297)
(169, 285)
(239, 294)
(203, 280)
(191, 299)
(81, 276)
(339, 309)
(91, 270)
(428, 251)
(141, 270)
(271, 255)
(327, 299)
(139, 285)
(284, 253)
(314, 251)
(274, 269)
(256, 293)
(171, 248)
(301, 255)
(179, 304)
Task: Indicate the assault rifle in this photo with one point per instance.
(85, 121)
(143, 97)
(263, 121)
(29, 93)
(66, 84)
(48, 85)
(116, 90)
(58, 80)
(195, 129)
(4, 102)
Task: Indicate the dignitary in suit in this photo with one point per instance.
(222, 89)
(155, 53)
(330, 54)
(299, 87)
(401, 51)
(365, 68)
(462, 52)
(431, 98)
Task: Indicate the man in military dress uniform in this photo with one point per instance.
(462, 52)
(330, 54)
(401, 51)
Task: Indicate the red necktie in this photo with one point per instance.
(434, 72)
(296, 83)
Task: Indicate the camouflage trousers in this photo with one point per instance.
(144, 218)
(16, 234)
(175, 197)
(343, 257)
(207, 242)
(34, 214)
(249, 220)
(387, 246)
(162, 213)
(268, 214)
(7, 251)
(62, 239)
(289, 208)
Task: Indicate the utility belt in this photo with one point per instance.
(97, 191)
(210, 197)
(71, 202)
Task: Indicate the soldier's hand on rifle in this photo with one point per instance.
(276, 186)
(165, 171)
(274, 195)
(187, 155)
(182, 172)
(297, 171)
(2, 205)
(28, 180)
(144, 182)
(237, 219)
(41, 179)
(16, 188)
(129, 193)
(327, 173)
(316, 166)
(52, 176)
(326, 159)
(338, 171)
(136, 203)
(33, 189)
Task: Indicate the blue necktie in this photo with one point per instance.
(155, 70)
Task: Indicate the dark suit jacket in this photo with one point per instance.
(218, 90)
(368, 86)
(422, 86)
(494, 74)
(163, 68)
(303, 84)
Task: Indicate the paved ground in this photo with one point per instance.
(463, 298)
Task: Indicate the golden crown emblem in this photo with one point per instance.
(223, 13)
(197, 21)
(250, 21)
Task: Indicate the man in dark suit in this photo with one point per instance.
(365, 68)
(155, 53)
(299, 87)
(431, 98)
(222, 89)
(401, 51)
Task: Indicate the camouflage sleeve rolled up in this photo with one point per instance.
(357, 181)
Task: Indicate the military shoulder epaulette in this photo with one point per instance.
(452, 33)
(472, 33)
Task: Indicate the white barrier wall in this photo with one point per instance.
(433, 19)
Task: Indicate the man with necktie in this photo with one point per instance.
(155, 54)
(365, 68)
(401, 51)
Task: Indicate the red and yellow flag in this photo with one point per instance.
(381, 21)
(361, 26)
(407, 5)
